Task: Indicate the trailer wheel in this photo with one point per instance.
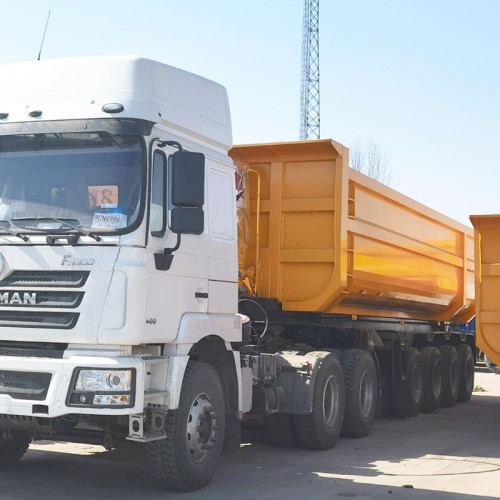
(451, 375)
(466, 366)
(386, 397)
(408, 393)
(186, 459)
(13, 445)
(320, 429)
(433, 379)
(280, 430)
(361, 392)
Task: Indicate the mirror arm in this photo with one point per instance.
(162, 144)
(171, 250)
(163, 261)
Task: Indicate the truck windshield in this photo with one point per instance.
(92, 180)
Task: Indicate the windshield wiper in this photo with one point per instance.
(79, 230)
(14, 233)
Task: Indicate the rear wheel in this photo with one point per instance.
(466, 367)
(407, 393)
(451, 375)
(187, 458)
(361, 392)
(386, 397)
(320, 430)
(13, 445)
(432, 379)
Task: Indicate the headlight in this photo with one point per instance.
(94, 387)
(104, 380)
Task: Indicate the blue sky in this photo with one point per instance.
(420, 78)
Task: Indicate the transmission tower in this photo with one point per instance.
(309, 91)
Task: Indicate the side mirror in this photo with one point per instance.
(187, 174)
(187, 220)
(187, 196)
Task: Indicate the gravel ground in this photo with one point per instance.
(453, 454)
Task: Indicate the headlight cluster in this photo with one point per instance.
(104, 380)
(93, 387)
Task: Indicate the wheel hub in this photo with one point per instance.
(201, 427)
(330, 401)
(366, 394)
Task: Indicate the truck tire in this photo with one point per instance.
(280, 430)
(386, 397)
(466, 366)
(408, 393)
(451, 375)
(432, 365)
(361, 392)
(187, 458)
(321, 429)
(13, 446)
(338, 352)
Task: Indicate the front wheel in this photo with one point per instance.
(13, 445)
(321, 428)
(188, 457)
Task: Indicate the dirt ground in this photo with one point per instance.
(453, 454)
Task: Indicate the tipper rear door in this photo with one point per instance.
(487, 252)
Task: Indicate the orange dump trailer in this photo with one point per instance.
(336, 266)
(319, 236)
(487, 252)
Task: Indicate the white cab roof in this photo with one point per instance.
(77, 88)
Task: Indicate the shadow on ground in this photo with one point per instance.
(454, 450)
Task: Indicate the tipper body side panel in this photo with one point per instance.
(333, 240)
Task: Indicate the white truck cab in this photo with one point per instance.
(118, 255)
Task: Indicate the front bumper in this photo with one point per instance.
(61, 371)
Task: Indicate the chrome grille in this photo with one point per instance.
(42, 299)
(62, 279)
(38, 319)
(32, 349)
(21, 290)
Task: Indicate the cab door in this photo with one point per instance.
(183, 287)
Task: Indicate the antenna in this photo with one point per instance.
(309, 91)
(43, 38)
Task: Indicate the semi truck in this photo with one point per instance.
(158, 285)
